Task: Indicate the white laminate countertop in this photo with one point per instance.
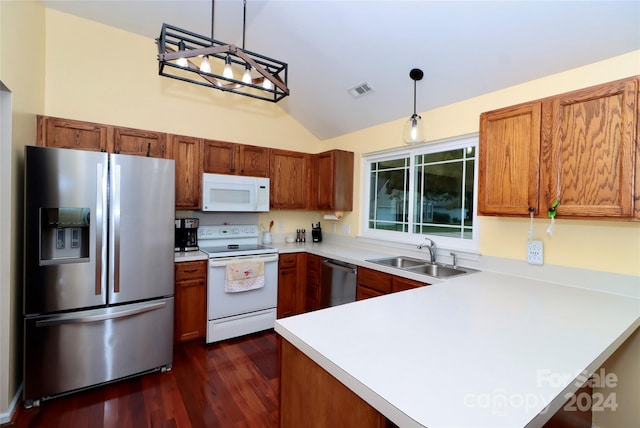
(189, 256)
(483, 350)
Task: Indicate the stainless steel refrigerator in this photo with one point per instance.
(98, 268)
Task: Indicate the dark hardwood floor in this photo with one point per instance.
(234, 383)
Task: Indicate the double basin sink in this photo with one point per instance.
(423, 267)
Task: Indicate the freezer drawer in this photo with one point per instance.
(69, 351)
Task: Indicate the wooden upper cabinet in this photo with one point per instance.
(509, 160)
(72, 134)
(592, 146)
(221, 157)
(129, 141)
(252, 160)
(75, 134)
(289, 174)
(186, 151)
(334, 180)
(218, 157)
(579, 148)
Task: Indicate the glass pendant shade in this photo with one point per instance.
(246, 77)
(413, 132)
(266, 84)
(205, 67)
(182, 62)
(227, 73)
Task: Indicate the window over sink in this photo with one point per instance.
(423, 191)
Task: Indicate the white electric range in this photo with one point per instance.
(233, 314)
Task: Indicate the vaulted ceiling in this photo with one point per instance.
(465, 48)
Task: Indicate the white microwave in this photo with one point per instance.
(234, 193)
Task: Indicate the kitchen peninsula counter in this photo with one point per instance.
(483, 350)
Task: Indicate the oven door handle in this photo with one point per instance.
(223, 261)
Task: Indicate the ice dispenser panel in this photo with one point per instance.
(64, 235)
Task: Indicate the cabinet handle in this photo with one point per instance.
(190, 271)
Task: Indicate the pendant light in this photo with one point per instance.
(264, 78)
(413, 132)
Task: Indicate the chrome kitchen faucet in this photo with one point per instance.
(431, 247)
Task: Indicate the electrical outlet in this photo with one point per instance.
(534, 252)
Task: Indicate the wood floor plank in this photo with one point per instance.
(228, 384)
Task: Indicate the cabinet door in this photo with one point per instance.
(509, 160)
(288, 172)
(190, 316)
(187, 154)
(128, 141)
(334, 181)
(592, 146)
(287, 292)
(72, 134)
(219, 157)
(313, 287)
(253, 161)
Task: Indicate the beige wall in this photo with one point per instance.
(22, 72)
(605, 246)
(111, 76)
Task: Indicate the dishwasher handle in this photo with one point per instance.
(334, 264)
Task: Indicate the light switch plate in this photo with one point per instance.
(534, 252)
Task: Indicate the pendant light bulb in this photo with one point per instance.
(205, 67)
(246, 77)
(413, 132)
(266, 84)
(227, 73)
(182, 62)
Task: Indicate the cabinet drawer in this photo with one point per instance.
(401, 284)
(191, 270)
(375, 280)
(366, 293)
(288, 260)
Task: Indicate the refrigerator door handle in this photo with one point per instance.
(100, 229)
(99, 317)
(114, 265)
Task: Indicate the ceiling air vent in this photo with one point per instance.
(361, 89)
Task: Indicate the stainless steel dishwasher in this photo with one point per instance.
(338, 282)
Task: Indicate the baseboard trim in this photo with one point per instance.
(6, 417)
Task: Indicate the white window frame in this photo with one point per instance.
(470, 245)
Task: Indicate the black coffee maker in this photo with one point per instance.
(186, 238)
(316, 232)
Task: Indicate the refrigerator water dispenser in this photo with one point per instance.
(64, 235)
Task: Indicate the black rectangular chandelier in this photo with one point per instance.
(202, 60)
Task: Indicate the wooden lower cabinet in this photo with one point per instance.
(313, 287)
(372, 283)
(190, 317)
(290, 284)
(310, 396)
(309, 393)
